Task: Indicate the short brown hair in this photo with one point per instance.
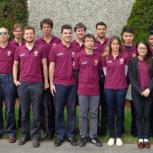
(29, 28)
(79, 25)
(46, 21)
(17, 25)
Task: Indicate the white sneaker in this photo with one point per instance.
(119, 142)
(111, 141)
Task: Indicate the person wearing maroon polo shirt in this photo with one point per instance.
(18, 35)
(80, 31)
(115, 87)
(150, 41)
(63, 86)
(100, 45)
(47, 40)
(7, 88)
(16, 42)
(88, 65)
(140, 74)
(129, 47)
(31, 60)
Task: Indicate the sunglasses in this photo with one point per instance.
(3, 33)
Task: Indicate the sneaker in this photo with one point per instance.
(83, 141)
(96, 142)
(58, 142)
(72, 141)
(35, 143)
(119, 142)
(23, 140)
(111, 142)
(12, 139)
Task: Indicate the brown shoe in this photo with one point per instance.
(147, 145)
(140, 145)
(12, 139)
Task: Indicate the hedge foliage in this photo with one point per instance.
(141, 19)
(12, 11)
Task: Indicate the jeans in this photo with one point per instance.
(115, 101)
(30, 94)
(7, 95)
(65, 96)
(88, 110)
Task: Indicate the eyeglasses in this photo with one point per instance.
(142, 48)
(3, 33)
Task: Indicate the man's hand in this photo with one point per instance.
(52, 89)
(17, 83)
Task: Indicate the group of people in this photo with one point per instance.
(94, 72)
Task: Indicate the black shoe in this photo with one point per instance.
(96, 142)
(1, 135)
(72, 141)
(58, 142)
(83, 141)
(35, 143)
(23, 140)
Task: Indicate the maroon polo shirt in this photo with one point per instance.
(6, 59)
(54, 41)
(30, 63)
(89, 67)
(100, 47)
(130, 50)
(16, 44)
(151, 49)
(77, 46)
(143, 74)
(63, 57)
(115, 72)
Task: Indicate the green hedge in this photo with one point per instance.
(141, 19)
(12, 11)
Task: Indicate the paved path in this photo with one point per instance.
(48, 147)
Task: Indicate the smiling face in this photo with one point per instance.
(80, 33)
(4, 36)
(89, 43)
(115, 45)
(66, 35)
(142, 50)
(29, 35)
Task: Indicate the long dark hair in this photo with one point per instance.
(108, 49)
(148, 57)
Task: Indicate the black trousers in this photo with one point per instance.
(142, 107)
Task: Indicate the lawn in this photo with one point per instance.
(127, 137)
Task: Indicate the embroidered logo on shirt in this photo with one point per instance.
(109, 61)
(22, 55)
(95, 62)
(73, 54)
(54, 44)
(95, 47)
(133, 55)
(121, 61)
(35, 53)
(9, 53)
(83, 63)
(60, 54)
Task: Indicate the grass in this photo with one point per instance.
(127, 137)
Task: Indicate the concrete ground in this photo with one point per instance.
(48, 147)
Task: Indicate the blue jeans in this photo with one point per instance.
(7, 95)
(65, 96)
(115, 101)
(30, 94)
